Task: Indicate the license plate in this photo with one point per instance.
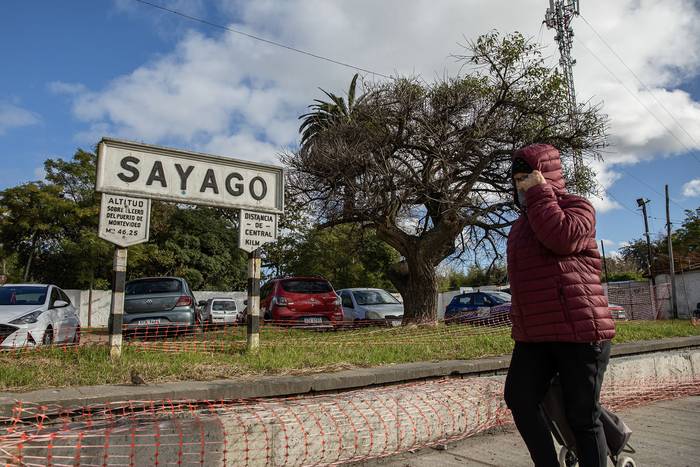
(148, 322)
(313, 320)
(395, 323)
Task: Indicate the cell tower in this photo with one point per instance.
(558, 17)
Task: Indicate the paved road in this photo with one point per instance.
(665, 434)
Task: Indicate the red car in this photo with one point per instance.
(308, 301)
(617, 312)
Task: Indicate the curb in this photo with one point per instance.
(279, 386)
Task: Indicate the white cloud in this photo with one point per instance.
(692, 188)
(243, 146)
(223, 88)
(606, 177)
(609, 244)
(13, 116)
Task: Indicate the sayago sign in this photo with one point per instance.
(153, 172)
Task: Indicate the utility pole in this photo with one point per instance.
(559, 16)
(642, 203)
(671, 266)
(605, 263)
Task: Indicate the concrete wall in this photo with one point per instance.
(102, 300)
(687, 290)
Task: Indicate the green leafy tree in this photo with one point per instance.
(426, 165)
(198, 244)
(347, 256)
(686, 249)
(324, 114)
(476, 276)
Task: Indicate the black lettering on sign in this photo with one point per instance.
(209, 182)
(237, 189)
(184, 175)
(157, 175)
(130, 168)
(263, 188)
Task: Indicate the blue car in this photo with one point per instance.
(479, 307)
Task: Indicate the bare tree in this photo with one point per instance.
(427, 165)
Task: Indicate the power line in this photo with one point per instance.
(262, 39)
(638, 79)
(673, 221)
(631, 93)
(645, 183)
(621, 203)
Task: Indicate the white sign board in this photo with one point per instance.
(256, 229)
(153, 172)
(124, 221)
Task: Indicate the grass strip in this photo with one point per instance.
(283, 352)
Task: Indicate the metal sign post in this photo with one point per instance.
(124, 221)
(253, 316)
(255, 229)
(116, 311)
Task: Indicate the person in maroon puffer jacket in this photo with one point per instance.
(561, 321)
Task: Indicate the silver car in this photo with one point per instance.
(373, 305)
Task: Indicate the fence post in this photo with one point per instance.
(116, 311)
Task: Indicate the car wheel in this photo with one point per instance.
(48, 336)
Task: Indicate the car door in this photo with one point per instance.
(349, 310)
(56, 316)
(265, 300)
(483, 305)
(70, 317)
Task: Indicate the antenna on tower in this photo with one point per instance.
(558, 17)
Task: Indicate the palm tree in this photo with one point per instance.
(324, 114)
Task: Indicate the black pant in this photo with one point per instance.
(580, 368)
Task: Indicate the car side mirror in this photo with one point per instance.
(202, 303)
(245, 302)
(59, 304)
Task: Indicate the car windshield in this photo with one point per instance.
(374, 297)
(23, 295)
(499, 297)
(224, 305)
(151, 286)
(306, 286)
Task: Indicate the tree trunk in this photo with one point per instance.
(416, 281)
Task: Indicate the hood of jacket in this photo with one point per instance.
(546, 159)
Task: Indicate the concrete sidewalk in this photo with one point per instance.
(665, 434)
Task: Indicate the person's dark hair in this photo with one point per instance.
(520, 166)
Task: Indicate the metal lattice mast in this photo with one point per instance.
(558, 17)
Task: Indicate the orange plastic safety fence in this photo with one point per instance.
(323, 429)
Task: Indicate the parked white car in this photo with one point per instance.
(221, 311)
(33, 314)
(371, 305)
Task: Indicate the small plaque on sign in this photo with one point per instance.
(124, 220)
(256, 229)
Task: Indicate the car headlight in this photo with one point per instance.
(30, 318)
(374, 315)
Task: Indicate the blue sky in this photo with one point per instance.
(81, 69)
